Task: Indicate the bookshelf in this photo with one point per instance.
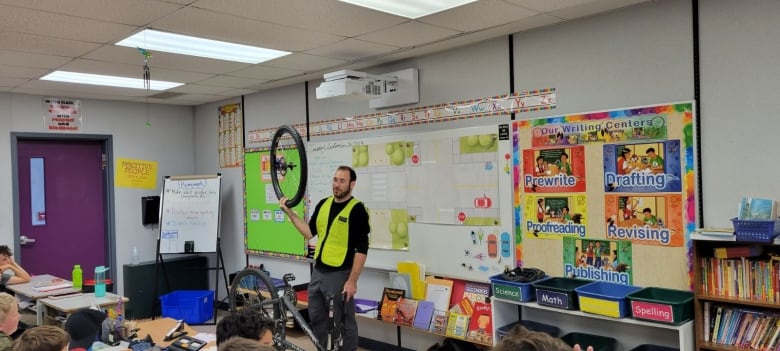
(752, 289)
(629, 332)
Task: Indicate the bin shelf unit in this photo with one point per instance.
(629, 332)
(704, 297)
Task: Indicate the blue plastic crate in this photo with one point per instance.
(193, 306)
(513, 291)
(607, 299)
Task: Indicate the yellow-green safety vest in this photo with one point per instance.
(334, 249)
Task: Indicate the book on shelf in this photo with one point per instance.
(438, 291)
(416, 272)
(401, 281)
(457, 325)
(754, 208)
(481, 324)
(463, 307)
(707, 324)
(389, 303)
(738, 251)
(438, 322)
(715, 232)
(477, 292)
(422, 320)
(407, 308)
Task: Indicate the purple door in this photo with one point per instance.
(61, 206)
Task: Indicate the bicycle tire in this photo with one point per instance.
(278, 167)
(246, 291)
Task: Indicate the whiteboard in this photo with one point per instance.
(475, 248)
(190, 211)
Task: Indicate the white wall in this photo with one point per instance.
(169, 141)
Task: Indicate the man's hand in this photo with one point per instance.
(350, 289)
(283, 205)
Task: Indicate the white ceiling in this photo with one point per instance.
(40, 36)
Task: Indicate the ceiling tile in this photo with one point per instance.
(304, 62)
(238, 92)
(230, 82)
(11, 82)
(471, 38)
(351, 49)
(31, 60)
(265, 72)
(113, 53)
(133, 71)
(409, 34)
(593, 8)
(21, 72)
(72, 88)
(328, 16)
(60, 26)
(132, 12)
(478, 15)
(73, 94)
(548, 5)
(212, 25)
(199, 89)
(44, 45)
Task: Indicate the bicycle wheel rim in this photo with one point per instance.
(293, 183)
(254, 289)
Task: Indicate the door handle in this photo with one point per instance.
(23, 240)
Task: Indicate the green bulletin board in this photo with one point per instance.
(268, 230)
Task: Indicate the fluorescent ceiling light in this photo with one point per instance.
(153, 40)
(112, 81)
(409, 8)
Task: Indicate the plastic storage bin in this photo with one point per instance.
(606, 299)
(513, 291)
(193, 306)
(599, 343)
(651, 347)
(558, 292)
(758, 231)
(662, 305)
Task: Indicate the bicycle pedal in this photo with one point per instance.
(290, 321)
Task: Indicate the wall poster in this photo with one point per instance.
(622, 179)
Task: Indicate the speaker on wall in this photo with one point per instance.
(150, 210)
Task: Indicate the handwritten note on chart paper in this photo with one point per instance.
(190, 212)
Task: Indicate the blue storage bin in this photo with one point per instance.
(599, 343)
(513, 291)
(607, 299)
(192, 306)
(558, 292)
(530, 325)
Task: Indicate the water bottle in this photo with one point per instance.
(134, 255)
(76, 276)
(100, 281)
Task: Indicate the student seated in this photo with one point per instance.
(7, 263)
(44, 338)
(9, 320)
(238, 343)
(84, 326)
(522, 339)
(247, 323)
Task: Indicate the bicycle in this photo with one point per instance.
(253, 288)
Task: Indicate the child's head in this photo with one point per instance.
(647, 212)
(43, 338)
(9, 314)
(522, 339)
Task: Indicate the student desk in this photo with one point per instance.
(159, 327)
(50, 307)
(26, 291)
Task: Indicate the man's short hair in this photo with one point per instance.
(352, 174)
(238, 343)
(247, 323)
(43, 338)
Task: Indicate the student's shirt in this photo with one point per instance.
(5, 342)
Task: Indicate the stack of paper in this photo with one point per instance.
(416, 272)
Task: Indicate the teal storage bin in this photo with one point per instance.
(599, 343)
(662, 305)
(192, 306)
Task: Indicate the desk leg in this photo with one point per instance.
(39, 312)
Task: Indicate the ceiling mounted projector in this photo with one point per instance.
(385, 90)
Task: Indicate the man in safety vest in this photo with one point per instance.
(341, 224)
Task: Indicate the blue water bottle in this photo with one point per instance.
(100, 281)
